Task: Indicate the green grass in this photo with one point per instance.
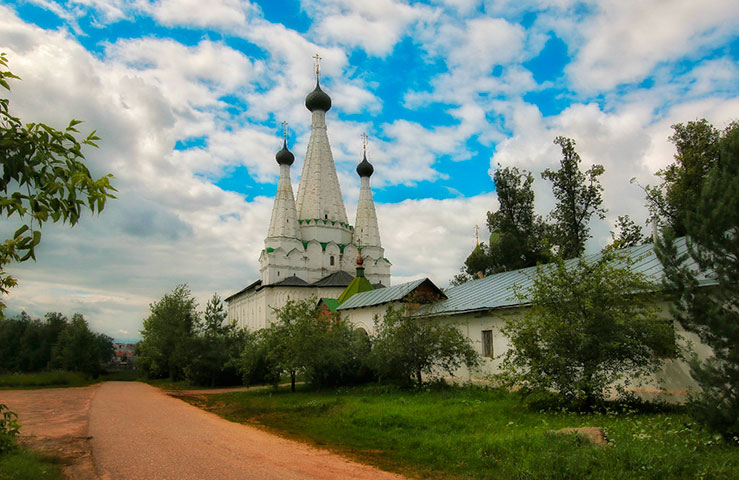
(478, 434)
(58, 378)
(24, 464)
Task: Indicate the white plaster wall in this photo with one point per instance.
(255, 310)
(673, 379)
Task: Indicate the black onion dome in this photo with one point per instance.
(365, 168)
(318, 100)
(284, 156)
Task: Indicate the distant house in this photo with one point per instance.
(124, 355)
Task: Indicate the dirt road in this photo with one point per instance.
(55, 420)
(138, 432)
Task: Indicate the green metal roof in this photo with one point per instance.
(359, 284)
(331, 303)
(496, 291)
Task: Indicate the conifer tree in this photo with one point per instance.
(712, 312)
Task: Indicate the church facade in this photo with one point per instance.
(311, 249)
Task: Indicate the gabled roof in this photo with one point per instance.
(293, 281)
(496, 291)
(388, 294)
(331, 303)
(251, 286)
(336, 279)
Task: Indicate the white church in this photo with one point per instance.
(311, 248)
(311, 251)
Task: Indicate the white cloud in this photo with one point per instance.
(624, 41)
(430, 238)
(375, 26)
(219, 14)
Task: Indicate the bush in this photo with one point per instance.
(406, 347)
(9, 429)
(590, 324)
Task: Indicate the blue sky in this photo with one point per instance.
(188, 97)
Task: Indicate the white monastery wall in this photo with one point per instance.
(673, 378)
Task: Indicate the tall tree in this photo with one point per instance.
(712, 312)
(516, 239)
(43, 178)
(578, 197)
(517, 234)
(214, 316)
(167, 330)
(79, 349)
(697, 145)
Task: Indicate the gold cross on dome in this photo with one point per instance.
(318, 64)
(284, 130)
(364, 143)
(477, 235)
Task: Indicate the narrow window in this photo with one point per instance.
(326, 216)
(331, 260)
(487, 343)
(278, 273)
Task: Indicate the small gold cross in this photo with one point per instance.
(284, 130)
(318, 64)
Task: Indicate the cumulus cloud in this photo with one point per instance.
(376, 27)
(624, 41)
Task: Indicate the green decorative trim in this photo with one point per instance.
(300, 221)
(270, 249)
(341, 248)
(323, 246)
(333, 222)
(325, 222)
(305, 245)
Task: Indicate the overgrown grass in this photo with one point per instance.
(22, 464)
(483, 434)
(59, 378)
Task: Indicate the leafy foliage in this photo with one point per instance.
(215, 350)
(405, 347)
(627, 234)
(306, 340)
(167, 331)
(80, 350)
(517, 234)
(590, 324)
(697, 144)
(43, 179)
(578, 197)
(32, 345)
(9, 429)
(712, 313)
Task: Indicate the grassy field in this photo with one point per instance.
(482, 434)
(58, 379)
(23, 464)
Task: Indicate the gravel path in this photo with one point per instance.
(138, 432)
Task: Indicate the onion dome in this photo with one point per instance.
(365, 168)
(318, 100)
(284, 156)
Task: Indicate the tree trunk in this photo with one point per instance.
(419, 382)
(292, 382)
